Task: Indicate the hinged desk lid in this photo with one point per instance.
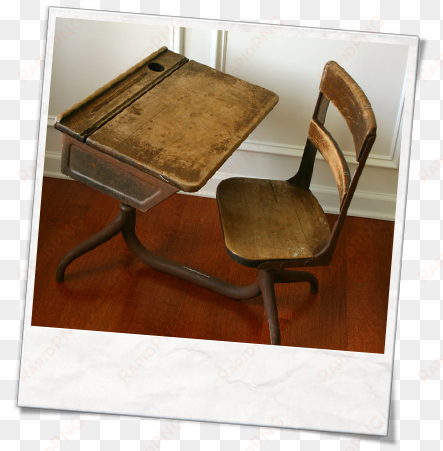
(175, 119)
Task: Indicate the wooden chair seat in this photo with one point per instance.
(265, 220)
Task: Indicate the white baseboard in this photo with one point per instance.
(52, 165)
(365, 204)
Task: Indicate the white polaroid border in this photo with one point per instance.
(182, 378)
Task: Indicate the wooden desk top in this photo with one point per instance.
(170, 117)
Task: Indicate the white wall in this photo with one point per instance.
(90, 55)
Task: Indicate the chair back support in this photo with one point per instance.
(340, 89)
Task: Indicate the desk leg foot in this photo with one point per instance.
(266, 281)
(113, 228)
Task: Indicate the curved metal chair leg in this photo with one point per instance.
(265, 280)
(105, 234)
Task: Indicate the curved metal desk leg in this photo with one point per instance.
(125, 222)
(105, 234)
(266, 282)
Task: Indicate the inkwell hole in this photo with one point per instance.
(156, 67)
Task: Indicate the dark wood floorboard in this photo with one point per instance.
(109, 290)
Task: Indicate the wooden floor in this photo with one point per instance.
(110, 290)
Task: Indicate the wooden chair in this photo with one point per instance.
(275, 224)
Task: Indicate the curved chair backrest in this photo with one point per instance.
(340, 89)
(345, 94)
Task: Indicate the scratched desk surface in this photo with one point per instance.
(170, 117)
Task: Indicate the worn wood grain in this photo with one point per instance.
(98, 108)
(175, 119)
(327, 146)
(184, 128)
(266, 220)
(350, 100)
